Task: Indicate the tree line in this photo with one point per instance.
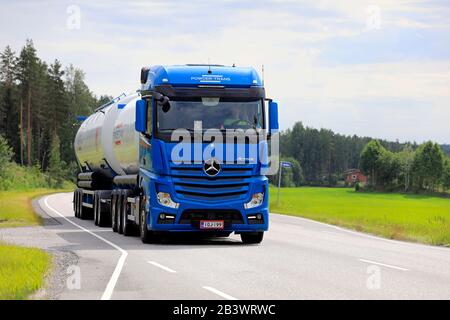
(426, 168)
(320, 158)
(38, 107)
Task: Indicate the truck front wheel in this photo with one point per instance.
(147, 236)
(252, 237)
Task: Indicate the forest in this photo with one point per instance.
(39, 102)
(320, 158)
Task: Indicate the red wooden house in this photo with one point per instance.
(353, 176)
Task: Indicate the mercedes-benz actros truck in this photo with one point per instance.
(185, 153)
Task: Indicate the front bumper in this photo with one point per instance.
(192, 225)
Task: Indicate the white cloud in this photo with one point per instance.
(289, 38)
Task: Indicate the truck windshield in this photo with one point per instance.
(209, 113)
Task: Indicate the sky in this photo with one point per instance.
(371, 68)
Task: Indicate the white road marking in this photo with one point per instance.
(220, 293)
(156, 264)
(115, 276)
(383, 264)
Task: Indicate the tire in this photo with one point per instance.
(83, 211)
(119, 211)
(75, 203)
(126, 225)
(102, 215)
(146, 235)
(78, 204)
(252, 237)
(74, 200)
(114, 211)
(95, 209)
(77, 212)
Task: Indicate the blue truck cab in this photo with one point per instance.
(203, 183)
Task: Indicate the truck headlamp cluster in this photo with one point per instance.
(164, 199)
(257, 200)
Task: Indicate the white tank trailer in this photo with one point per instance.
(106, 144)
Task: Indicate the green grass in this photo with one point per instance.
(409, 217)
(16, 209)
(22, 271)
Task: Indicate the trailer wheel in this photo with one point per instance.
(126, 209)
(252, 237)
(103, 218)
(119, 218)
(83, 211)
(114, 211)
(79, 204)
(95, 202)
(75, 203)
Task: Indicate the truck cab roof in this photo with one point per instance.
(193, 75)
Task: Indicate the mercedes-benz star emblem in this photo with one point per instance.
(211, 167)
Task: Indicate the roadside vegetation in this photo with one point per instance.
(424, 170)
(20, 184)
(16, 209)
(22, 271)
(412, 217)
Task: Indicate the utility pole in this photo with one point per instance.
(285, 164)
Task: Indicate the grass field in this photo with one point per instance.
(22, 271)
(397, 216)
(16, 209)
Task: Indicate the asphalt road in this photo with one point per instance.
(298, 259)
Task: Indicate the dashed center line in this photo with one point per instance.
(220, 293)
(384, 265)
(156, 264)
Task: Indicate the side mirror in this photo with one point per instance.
(273, 117)
(144, 74)
(140, 123)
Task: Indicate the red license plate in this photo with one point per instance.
(212, 224)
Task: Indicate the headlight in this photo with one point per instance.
(165, 200)
(257, 199)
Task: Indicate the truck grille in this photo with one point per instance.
(191, 182)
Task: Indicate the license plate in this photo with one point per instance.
(211, 224)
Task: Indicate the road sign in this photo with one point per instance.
(286, 164)
(283, 164)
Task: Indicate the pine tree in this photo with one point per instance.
(27, 66)
(56, 165)
(8, 111)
